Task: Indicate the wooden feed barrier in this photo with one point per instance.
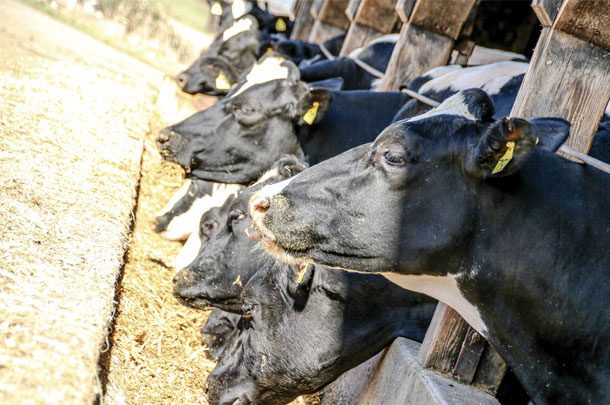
(330, 20)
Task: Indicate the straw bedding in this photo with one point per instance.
(70, 148)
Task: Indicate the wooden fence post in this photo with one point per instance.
(330, 21)
(426, 40)
(569, 75)
(372, 19)
(303, 21)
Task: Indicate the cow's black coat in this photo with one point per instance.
(239, 138)
(527, 246)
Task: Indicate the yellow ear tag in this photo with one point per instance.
(238, 281)
(537, 140)
(216, 8)
(310, 115)
(504, 160)
(280, 25)
(301, 275)
(222, 83)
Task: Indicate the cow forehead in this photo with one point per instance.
(456, 105)
(241, 25)
(271, 68)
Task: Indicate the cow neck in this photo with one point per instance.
(530, 271)
(354, 118)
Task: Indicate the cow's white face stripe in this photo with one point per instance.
(240, 8)
(241, 25)
(444, 289)
(220, 193)
(269, 69)
(454, 105)
(267, 192)
(189, 251)
(175, 198)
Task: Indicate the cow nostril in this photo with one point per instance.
(181, 79)
(261, 205)
(163, 137)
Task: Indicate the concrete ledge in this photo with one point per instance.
(394, 376)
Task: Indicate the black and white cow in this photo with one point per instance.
(217, 330)
(480, 214)
(376, 55)
(182, 213)
(239, 138)
(215, 263)
(234, 49)
(296, 336)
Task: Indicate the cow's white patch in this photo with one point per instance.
(266, 192)
(269, 69)
(441, 71)
(454, 105)
(216, 9)
(483, 56)
(267, 175)
(390, 38)
(240, 8)
(181, 226)
(189, 251)
(241, 25)
(444, 289)
(494, 85)
(175, 198)
(473, 77)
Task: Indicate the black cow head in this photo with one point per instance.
(231, 55)
(239, 138)
(227, 259)
(217, 330)
(410, 201)
(302, 329)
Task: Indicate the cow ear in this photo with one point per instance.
(551, 132)
(290, 165)
(299, 281)
(503, 148)
(316, 105)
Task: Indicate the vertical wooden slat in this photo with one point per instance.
(426, 40)
(404, 8)
(569, 75)
(330, 21)
(546, 10)
(373, 19)
(303, 22)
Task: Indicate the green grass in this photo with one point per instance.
(91, 26)
(194, 13)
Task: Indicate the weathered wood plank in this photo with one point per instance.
(490, 372)
(357, 36)
(425, 41)
(443, 341)
(377, 14)
(352, 9)
(303, 22)
(568, 78)
(417, 50)
(441, 17)
(468, 359)
(404, 8)
(322, 32)
(546, 10)
(588, 20)
(315, 8)
(333, 13)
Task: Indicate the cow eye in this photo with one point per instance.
(247, 309)
(391, 155)
(235, 217)
(208, 226)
